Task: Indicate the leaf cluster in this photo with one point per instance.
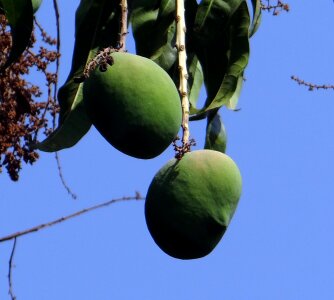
(217, 44)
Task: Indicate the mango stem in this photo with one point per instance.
(124, 24)
(183, 73)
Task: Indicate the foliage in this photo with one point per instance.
(217, 49)
(217, 42)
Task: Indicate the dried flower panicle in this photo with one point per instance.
(275, 8)
(21, 115)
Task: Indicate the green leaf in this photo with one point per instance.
(20, 17)
(215, 138)
(238, 59)
(154, 30)
(232, 104)
(71, 130)
(101, 31)
(222, 46)
(213, 16)
(153, 24)
(256, 17)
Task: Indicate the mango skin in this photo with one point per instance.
(134, 105)
(190, 203)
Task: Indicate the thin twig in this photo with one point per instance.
(103, 57)
(10, 270)
(55, 91)
(45, 37)
(183, 75)
(60, 172)
(62, 219)
(312, 86)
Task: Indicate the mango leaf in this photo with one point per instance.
(215, 138)
(256, 17)
(101, 31)
(195, 72)
(238, 59)
(232, 104)
(71, 130)
(222, 46)
(20, 17)
(212, 16)
(153, 25)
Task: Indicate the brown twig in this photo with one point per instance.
(103, 58)
(312, 86)
(10, 270)
(62, 219)
(60, 172)
(45, 37)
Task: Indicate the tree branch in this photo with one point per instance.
(62, 219)
(60, 172)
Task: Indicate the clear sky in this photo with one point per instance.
(279, 244)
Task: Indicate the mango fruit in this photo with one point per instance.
(134, 104)
(190, 203)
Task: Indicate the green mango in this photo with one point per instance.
(190, 203)
(134, 104)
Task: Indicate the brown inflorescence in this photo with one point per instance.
(275, 8)
(21, 115)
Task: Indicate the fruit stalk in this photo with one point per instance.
(182, 61)
(103, 59)
(124, 24)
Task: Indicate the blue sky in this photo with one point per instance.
(279, 244)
